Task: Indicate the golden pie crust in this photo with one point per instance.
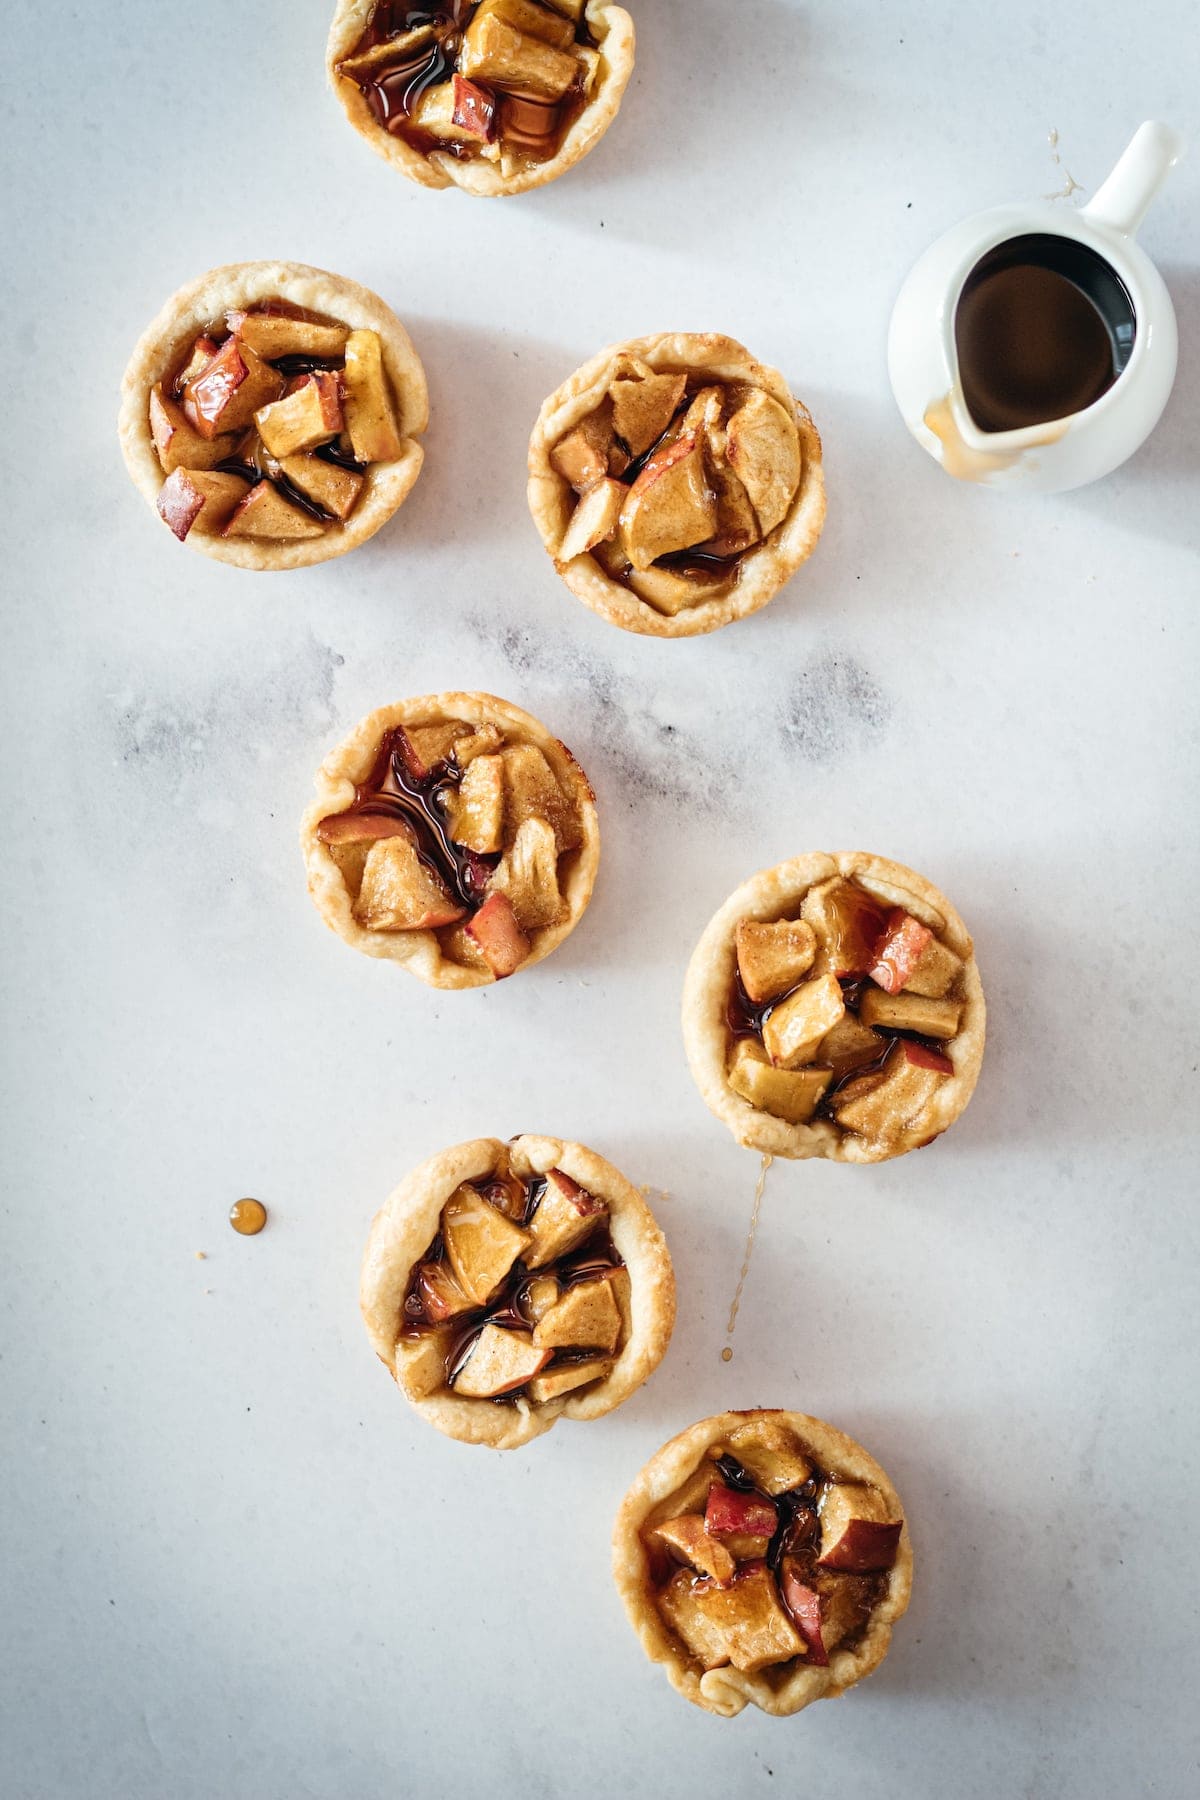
(777, 893)
(408, 1223)
(763, 569)
(242, 285)
(351, 763)
(726, 1691)
(611, 26)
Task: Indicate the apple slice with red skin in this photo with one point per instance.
(730, 1513)
(899, 951)
(358, 828)
(230, 389)
(440, 1295)
(858, 1533)
(925, 1058)
(200, 499)
(495, 930)
(474, 109)
(804, 1604)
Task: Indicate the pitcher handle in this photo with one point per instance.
(1124, 199)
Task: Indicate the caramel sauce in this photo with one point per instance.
(530, 127)
(595, 1257)
(248, 1217)
(392, 790)
(727, 1352)
(1043, 328)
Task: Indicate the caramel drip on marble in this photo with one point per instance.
(727, 1352)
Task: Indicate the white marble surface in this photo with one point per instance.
(237, 1566)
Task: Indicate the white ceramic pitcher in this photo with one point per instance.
(1063, 453)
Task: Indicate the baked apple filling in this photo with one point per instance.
(765, 1557)
(522, 1292)
(844, 1013)
(496, 81)
(269, 423)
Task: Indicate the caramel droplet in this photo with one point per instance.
(727, 1354)
(248, 1217)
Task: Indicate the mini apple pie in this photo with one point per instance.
(493, 96)
(763, 1559)
(270, 414)
(833, 1008)
(452, 834)
(509, 1285)
(676, 483)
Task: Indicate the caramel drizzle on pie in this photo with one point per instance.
(529, 126)
(392, 791)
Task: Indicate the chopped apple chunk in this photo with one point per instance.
(669, 591)
(884, 1107)
(772, 1454)
(457, 112)
(400, 892)
(349, 836)
(849, 1046)
(745, 1519)
(581, 457)
(737, 523)
(477, 808)
(421, 1362)
(310, 415)
(366, 63)
(935, 973)
(500, 1361)
(763, 448)
(859, 1528)
(594, 519)
(480, 740)
(899, 951)
(335, 490)
(440, 1295)
(825, 1606)
(228, 390)
(742, 1623)
(793, 1030)
(201, 500)
(274, 335)
(773, 957)
(688, 1536)
(532, 792)
(643, 408)
(528, 874)
(539, 1296)
(424, 748)
(500, 940)
(178, 444)
(567, 1377)
(367, 401)
(670, 506)
(493, 52)
(848, 922)
(199, 357)
(789, 1094)
(586, 1318)
(481, 1243)
(564, 1216)
(534, 20)
(265, 513)
(910, 1012)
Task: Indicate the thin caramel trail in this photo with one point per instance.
(727, 1352)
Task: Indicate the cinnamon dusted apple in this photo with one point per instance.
(763, 1560)
(833, 1008)
(509, 1285)
(492, 96)
(454, 835)
(271, 414)
(676, 483)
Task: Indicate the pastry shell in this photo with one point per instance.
(408, 1223)
(763, 568)
(727, 1691)
(191, 310)
(350, 764)
(611, 26)
(776, 893)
